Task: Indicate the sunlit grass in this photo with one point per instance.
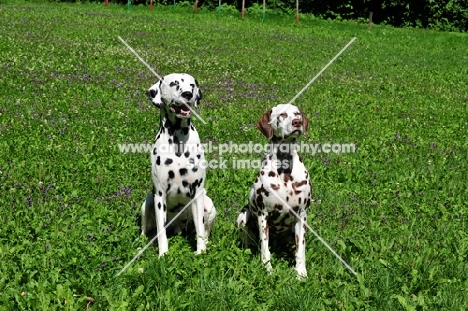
(71, 92)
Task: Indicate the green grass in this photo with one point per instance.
(71, 91)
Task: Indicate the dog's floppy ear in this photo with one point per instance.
(264, 125)
(154, 94)
(198, 93)
(305, 122)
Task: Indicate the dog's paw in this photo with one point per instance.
(201, 245)
(198, 252)
(162, 252)
(301, 273)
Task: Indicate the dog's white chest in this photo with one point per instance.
(178, 167)
(279, 192)
(292, 192)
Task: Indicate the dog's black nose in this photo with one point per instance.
(151, 93)
(187, 95)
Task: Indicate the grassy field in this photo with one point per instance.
(71, 92)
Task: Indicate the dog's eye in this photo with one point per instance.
(284, 115)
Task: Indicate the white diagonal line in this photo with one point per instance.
(141, 59)
(318, 74)
(154, 238)
(158, 76)
(316, 234)
(321, 71)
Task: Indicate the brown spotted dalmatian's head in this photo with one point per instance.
(176, 92)
(283, 122)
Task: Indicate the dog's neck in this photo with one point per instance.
(284, 152)
(173, 126)
(175, 132)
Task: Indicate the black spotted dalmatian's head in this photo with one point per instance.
(283, 122)
(177, 92)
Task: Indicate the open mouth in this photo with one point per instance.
(182, 111)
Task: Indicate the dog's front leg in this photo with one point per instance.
(300, 231)
(263, 232)
(242, 221)
(198, 213)
(160, 211)
(209, 213)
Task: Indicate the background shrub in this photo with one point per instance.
(449, 15)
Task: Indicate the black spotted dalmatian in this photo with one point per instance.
(282, 183)
(178, 165)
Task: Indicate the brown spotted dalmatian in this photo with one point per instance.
(282, 183)
(178, 165)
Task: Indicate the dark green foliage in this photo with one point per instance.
(442, 15)
(448, 15)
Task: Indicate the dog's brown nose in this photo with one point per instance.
(297, 122)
